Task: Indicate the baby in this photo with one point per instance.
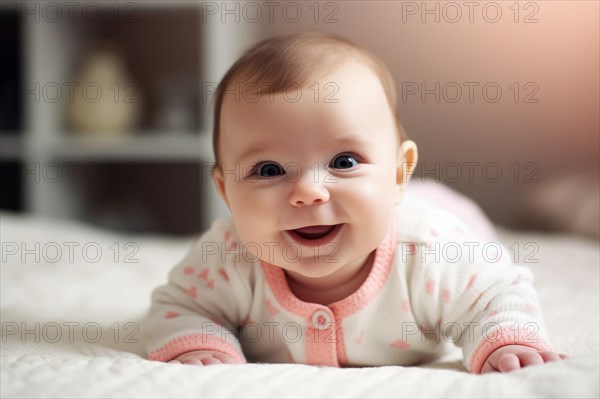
(325, 261)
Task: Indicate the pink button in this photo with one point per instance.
(321, 319)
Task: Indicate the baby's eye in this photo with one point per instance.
(269, 169)
(345, 161)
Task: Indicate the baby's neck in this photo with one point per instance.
(333, 288)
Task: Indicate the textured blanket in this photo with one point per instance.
(73, 297)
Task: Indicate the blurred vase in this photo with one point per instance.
(105, 100)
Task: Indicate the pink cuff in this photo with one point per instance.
(194, 342)
(506, 336)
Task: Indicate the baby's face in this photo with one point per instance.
(290, 165)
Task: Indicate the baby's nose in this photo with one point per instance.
(307, 191)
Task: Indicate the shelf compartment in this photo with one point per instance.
(152, 147)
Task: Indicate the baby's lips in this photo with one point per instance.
(321, 229)
(315, 235)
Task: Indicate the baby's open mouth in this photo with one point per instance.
(314, 232)
(315, 235)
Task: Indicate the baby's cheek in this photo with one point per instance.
(371, 194)
(250, 228)
(371, 207)
(255, 222)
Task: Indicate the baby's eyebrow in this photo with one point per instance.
(255, 148)
(352, 140)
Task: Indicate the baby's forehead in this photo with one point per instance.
(323, 83)
(347, 101)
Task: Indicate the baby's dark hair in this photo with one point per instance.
(293, 61)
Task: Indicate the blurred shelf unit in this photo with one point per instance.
(123, 89)
(150, 147)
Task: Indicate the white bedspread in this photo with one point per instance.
(70, 317)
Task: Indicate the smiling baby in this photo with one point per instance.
(324, 261)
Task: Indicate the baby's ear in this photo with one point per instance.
(406, 163)
(219, 183)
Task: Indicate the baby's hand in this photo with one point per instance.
(204, 358)
(513, 357)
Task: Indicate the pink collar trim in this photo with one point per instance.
(382, 264)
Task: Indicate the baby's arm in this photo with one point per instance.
(194, 318)
(186, 317)
(482, 302)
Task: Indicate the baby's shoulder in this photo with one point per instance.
(418, 220)
(222, 232)
(221, 248)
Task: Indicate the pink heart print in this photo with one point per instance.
(399, 344)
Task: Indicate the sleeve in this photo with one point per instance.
(470, 293)
(207, 297)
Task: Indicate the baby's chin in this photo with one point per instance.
(309, 268)
(316, 261)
